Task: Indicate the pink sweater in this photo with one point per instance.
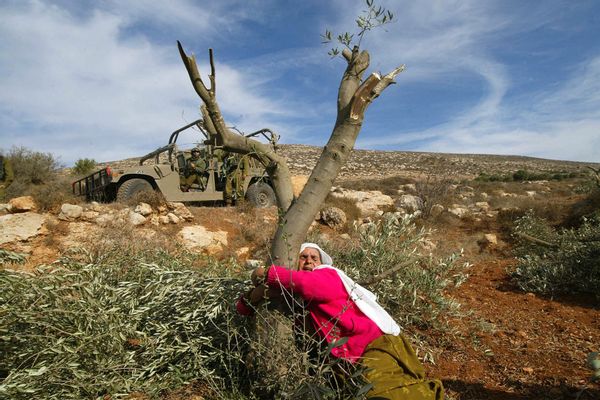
(333, 314)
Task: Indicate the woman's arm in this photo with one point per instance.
(319, 285)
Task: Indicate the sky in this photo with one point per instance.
(103, 79)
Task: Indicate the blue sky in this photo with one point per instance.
(103, 79)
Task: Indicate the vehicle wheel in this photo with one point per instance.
(132, 188)
(260, 195)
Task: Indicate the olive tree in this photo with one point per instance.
(355, 93)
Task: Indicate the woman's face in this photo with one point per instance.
(309, 259)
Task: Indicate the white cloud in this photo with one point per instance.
(79, 87)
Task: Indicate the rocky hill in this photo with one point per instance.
(508, 344)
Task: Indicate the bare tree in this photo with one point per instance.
(354, 96)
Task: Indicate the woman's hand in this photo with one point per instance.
(259, 275)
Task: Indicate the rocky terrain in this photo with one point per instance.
(508, 345)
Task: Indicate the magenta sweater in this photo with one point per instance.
(333, 314)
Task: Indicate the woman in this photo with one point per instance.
(340, 308)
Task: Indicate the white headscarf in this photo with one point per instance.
(364, 299)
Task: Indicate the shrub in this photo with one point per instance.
(410, 286)
(434, 191)
(131, 319)
(33, 167)
(84, 166)
(554, 261)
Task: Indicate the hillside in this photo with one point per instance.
(503, 344)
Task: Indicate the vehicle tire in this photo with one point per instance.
(260, 195)
(132, 188)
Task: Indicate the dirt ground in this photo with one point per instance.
(507, 345)
(516, 345)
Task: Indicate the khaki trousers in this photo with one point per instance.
(396, 373)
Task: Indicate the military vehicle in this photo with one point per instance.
(227, 175)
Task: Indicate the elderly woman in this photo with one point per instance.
(340, 308)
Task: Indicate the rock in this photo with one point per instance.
(180, 210)
(409, 187)
(21, 204)
(531, 193)
(136, 218)
(155, 220)
(163, 219)
(457, 210)
(345, 236)
(94, 206)
(197, 237)
(70, 212)
(242, 252)
(4, 208)
(409, 203)
(484, 195)
(22, 226)
(333, 217)
(298, 183)
(105, 219)
(90, 216)
(252, 264)
(490, 238)
(143, 209)
(482, 205)
(162, 209)
(367, 202)
(173, 219)
(436, 210)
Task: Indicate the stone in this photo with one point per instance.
(345, 236)
(410, 203)
(436, 210)
(70, 212)
(409, 187)
(531, 193)
(163, 219)
(143, 209)
(197, 237)
(367, 202)
(173, 219)
(136, 219)
(105, 219)
(490, 238)
(181, 211)
(19, 227)
(482, 205)
(458, 211)
(21, 204)
(242, 252)
(94, 206)
(252, 264)
(90, 216)
(334, 217)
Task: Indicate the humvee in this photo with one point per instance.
(163, 170)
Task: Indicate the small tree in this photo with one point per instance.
(354, 96)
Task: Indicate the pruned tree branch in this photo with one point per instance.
(535, 240)
(275, 164)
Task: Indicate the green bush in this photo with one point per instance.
(564, 261)
(414, 290)
(33, 167)
(84, 166)
(137, 320)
